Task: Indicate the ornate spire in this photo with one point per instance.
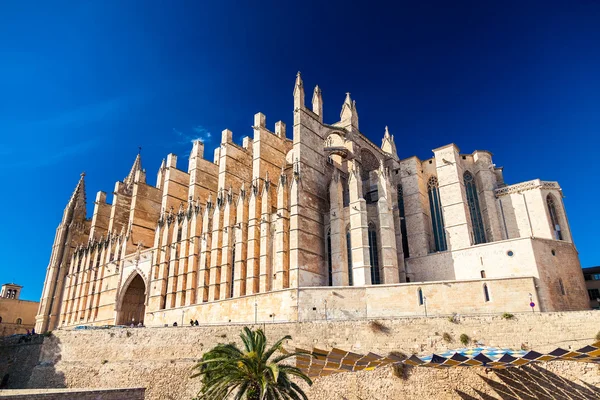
(317, 103)
(388, 145)
(349, 114)
(137, 166)
(299, 92)
(77, 202)
(348, 100)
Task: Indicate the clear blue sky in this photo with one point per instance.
(83, 84)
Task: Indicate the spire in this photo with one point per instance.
(317, 102)
(77, 202)
(349, 115)
(298, 92)
(387, 144)
(348, 100)
(137, 166)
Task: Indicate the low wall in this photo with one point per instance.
(74, 394)
(348, 302)
(161, 359)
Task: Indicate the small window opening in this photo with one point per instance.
(486, 293)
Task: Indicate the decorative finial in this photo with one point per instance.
(82, 174)
(139, 149)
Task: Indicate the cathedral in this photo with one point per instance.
(324, 225)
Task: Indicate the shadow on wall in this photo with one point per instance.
(30, 364)
(533, 382)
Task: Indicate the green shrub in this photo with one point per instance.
(598, 335)
(507, 315)
(447, 338)
(453, 318)
(464, 339)
(104, 362)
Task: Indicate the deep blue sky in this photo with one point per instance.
(83, 84)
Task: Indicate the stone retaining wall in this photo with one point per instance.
(74, 394)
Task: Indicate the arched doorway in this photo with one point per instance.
(133, 305)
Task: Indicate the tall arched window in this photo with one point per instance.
(329, 266)
(232, 270)
(551, 202)
(0, 319)
(349, 249)
(19, 321)
(474, 210)
(486, 293)
(437, 219)
(374, 255)
(402, 221)
(420, 296)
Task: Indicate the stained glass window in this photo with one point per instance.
(437, 219)
(405, 249)
(374, 255)
(474, 210)
(349, 248)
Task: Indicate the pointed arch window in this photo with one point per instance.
(420, 296)
(374, 255)
(474, 210)
(486, 293)
(437, 219)
(329, 266)
(551, 203)
(349, 249)
(405, 249)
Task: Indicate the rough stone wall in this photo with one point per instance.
(74, 394)
(161, 359)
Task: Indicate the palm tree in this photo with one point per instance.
(250, 373)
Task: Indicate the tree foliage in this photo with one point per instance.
(252, 373)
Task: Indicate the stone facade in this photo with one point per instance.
(161, 359)
(16, 316)
(327, 208)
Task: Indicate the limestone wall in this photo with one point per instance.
(73, 394)
(161, 358)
